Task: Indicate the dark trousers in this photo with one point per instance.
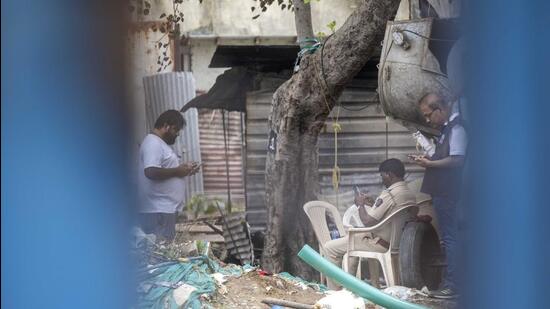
(160, 224)
(447, 218)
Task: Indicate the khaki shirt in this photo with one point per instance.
(391, 199)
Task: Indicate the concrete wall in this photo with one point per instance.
(142, 61)
(234, 17)
(230, 18)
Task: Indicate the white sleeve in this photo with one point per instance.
(151, 154)
(458, 141)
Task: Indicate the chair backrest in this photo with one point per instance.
(316, 212)
(398, 221)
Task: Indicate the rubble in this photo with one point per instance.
(185, 274)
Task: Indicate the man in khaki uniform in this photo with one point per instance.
(396, 195)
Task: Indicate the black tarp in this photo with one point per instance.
(228, 93)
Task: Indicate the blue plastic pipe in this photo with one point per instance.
(351, 283)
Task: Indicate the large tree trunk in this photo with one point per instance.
(299, 109)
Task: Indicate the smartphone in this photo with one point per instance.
(198, 166)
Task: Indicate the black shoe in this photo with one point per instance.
(445, 293)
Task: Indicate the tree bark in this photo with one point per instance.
(299, 109)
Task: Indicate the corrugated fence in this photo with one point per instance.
(365, 141)
(171, 91)
(213, 154)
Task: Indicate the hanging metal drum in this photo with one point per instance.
(408, 70)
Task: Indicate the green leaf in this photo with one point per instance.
(307, 1)
(332, 25)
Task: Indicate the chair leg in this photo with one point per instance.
(374, 272)
(345, 262)
(387, 268)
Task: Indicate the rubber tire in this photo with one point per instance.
(418, 242)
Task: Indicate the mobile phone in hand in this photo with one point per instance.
(197, 166)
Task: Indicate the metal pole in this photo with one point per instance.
(226, 164)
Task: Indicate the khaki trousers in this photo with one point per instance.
(335, 250)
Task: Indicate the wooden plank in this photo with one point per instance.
(207, 237)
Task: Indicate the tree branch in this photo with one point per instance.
(353, 44)
(302, 19)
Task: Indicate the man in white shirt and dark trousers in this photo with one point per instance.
(443, 179)
(161, 176)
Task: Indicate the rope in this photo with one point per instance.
(336, 175)
(306, 50)
(337, 128)
(225, 138)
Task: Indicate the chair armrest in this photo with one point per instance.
(356, 230)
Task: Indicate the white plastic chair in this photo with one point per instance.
(316, 212)
(398, 219)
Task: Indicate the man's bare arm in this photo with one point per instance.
(159, 173)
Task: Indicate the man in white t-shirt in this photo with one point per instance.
(161, 176)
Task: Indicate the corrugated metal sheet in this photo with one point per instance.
(171, 91)
(362, 147)
(213, 154)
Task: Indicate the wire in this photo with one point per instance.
(428, 38)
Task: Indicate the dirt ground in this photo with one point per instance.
(250, 289)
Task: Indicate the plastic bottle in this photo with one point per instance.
(334, 234)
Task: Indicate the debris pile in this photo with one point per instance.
(185, 274)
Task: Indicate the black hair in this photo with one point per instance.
(394, 166)
(434, 105)
(170, 117)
